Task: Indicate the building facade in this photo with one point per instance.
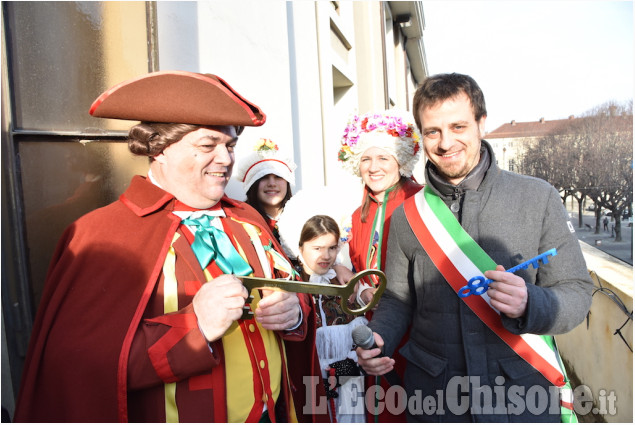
(308, 65)
(510, 140)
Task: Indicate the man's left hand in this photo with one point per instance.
(507, 292)
(278, 310)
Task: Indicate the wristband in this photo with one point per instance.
(361, 288)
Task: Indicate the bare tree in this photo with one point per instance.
(558, 159)
(590, 157)
(608, 134)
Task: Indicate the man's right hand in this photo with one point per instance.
(218, 304)
(374, 365)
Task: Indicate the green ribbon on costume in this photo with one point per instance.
(211, 243)
(279, 262)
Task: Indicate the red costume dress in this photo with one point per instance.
(366, 241)
(103, 348)
(364, 238)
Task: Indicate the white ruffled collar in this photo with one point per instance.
(315, 277)
(322, 278)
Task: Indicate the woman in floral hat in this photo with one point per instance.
(268, 178)
(382, 149)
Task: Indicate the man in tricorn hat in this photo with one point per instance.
(140, 316)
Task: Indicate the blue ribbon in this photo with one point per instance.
(211, 243)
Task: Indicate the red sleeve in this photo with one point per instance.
(170, 348)
(299, 333)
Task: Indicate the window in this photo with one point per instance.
(58, 162)
(54, 78)
(55, 75)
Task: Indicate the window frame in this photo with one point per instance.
(17, 312)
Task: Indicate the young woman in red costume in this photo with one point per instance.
(382, 149)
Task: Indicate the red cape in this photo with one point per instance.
(102, 271)
(362, 232)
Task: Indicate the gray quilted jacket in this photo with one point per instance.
(513, 218)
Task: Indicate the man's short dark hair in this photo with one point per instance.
(441, 87)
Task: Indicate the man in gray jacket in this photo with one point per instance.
(461, 364)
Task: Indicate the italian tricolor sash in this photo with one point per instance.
(459, 258)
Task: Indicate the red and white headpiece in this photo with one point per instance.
(265, 158)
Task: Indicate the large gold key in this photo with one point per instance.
(343, 291)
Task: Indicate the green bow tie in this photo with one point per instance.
(211, 243)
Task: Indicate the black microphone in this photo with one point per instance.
(363, 337)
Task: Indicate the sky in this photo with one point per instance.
(534, 59)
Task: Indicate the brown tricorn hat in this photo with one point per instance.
(177, 97)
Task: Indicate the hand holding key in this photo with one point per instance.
(478, 285)
(218, 304)
(343, 292)
(278, 310)
(507, 293)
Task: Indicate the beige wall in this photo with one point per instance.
(600, 359)
(507, 149)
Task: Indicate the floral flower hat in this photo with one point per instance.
(391, 130)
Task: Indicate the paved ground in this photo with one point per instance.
(603, 240)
